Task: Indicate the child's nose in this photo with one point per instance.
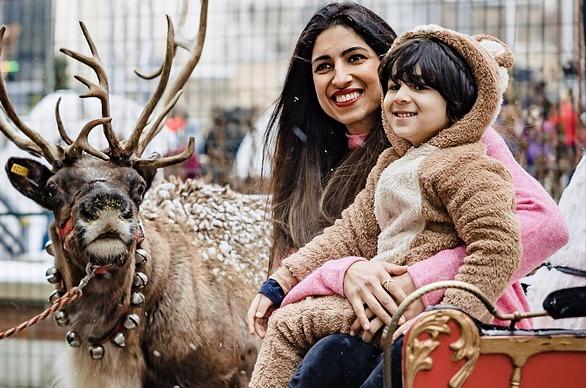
(402, 95)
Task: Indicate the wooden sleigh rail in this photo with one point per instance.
(447, 348)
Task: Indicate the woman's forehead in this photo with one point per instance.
(337, 40)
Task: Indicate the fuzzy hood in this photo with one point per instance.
(489, 59)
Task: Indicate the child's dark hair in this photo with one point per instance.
(440, 68)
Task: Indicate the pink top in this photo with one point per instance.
(355, 141)
(543, 231)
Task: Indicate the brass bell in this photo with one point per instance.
(53, 296)
(61, 318)
(131, 321)
(53, 275)
(49, 248)
(96, 352)
(136, 299)
(140, 280)
(119, 340)
(73, 339)
(141, 256)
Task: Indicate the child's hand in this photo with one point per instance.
(258, 315)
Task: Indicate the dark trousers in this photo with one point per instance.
(340, 360)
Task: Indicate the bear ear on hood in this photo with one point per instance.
(497, 49)
(502, 55)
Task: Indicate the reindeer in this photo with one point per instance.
(166, 287)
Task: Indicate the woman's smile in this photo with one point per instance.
(346, 97)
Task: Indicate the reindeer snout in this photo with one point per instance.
(98, 202)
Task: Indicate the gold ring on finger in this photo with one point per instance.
(384, 283)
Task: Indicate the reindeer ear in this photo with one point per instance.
(30, 178)
(148, 174)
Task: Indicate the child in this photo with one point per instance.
(434, 189)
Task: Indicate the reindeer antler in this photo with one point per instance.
(36, 145)
(130, 150)
(100, 91)
(138, 140)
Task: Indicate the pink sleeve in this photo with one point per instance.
(543, 229)
(326, 280)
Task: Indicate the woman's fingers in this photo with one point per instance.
(377, 308)
(358, 307)
(375, 325)
(356, 326)
(263, 307)
(394, 269)
(252, 313)
(260, 326)
(258, 314)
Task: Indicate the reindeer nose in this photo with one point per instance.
(104, 200)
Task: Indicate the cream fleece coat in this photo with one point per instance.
(417, 201)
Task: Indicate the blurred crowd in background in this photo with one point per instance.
(547, 138)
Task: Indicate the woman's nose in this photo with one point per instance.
(341, 78)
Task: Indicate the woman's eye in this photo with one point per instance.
(356, 58)
(322, 67)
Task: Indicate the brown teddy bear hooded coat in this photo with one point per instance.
(417, 201)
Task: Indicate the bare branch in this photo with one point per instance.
(60, 126)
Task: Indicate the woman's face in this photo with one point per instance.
(345, 77)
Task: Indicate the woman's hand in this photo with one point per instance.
(258, 315)
(399, 287)
(261, 307)
(363, 285)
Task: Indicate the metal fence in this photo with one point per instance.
(244, 60)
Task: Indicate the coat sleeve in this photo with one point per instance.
(543, 229)
(478, 194)
(354, 234)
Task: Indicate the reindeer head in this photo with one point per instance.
(95, 194)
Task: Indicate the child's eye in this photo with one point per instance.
(394, 87)
(322, 67)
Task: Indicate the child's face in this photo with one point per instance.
(415, 113)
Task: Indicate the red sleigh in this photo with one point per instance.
(447, 348)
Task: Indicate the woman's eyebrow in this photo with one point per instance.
(320, 58)
(353, 48)
(343, 53)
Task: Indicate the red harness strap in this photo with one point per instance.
(66, 229)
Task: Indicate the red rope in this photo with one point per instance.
(66, 299)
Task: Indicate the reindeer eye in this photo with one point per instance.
(51, 189)
(140, 190)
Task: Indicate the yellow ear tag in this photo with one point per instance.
(19, 170)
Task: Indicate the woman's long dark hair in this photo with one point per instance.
(314, 176)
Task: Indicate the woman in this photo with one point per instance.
(332, 88)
